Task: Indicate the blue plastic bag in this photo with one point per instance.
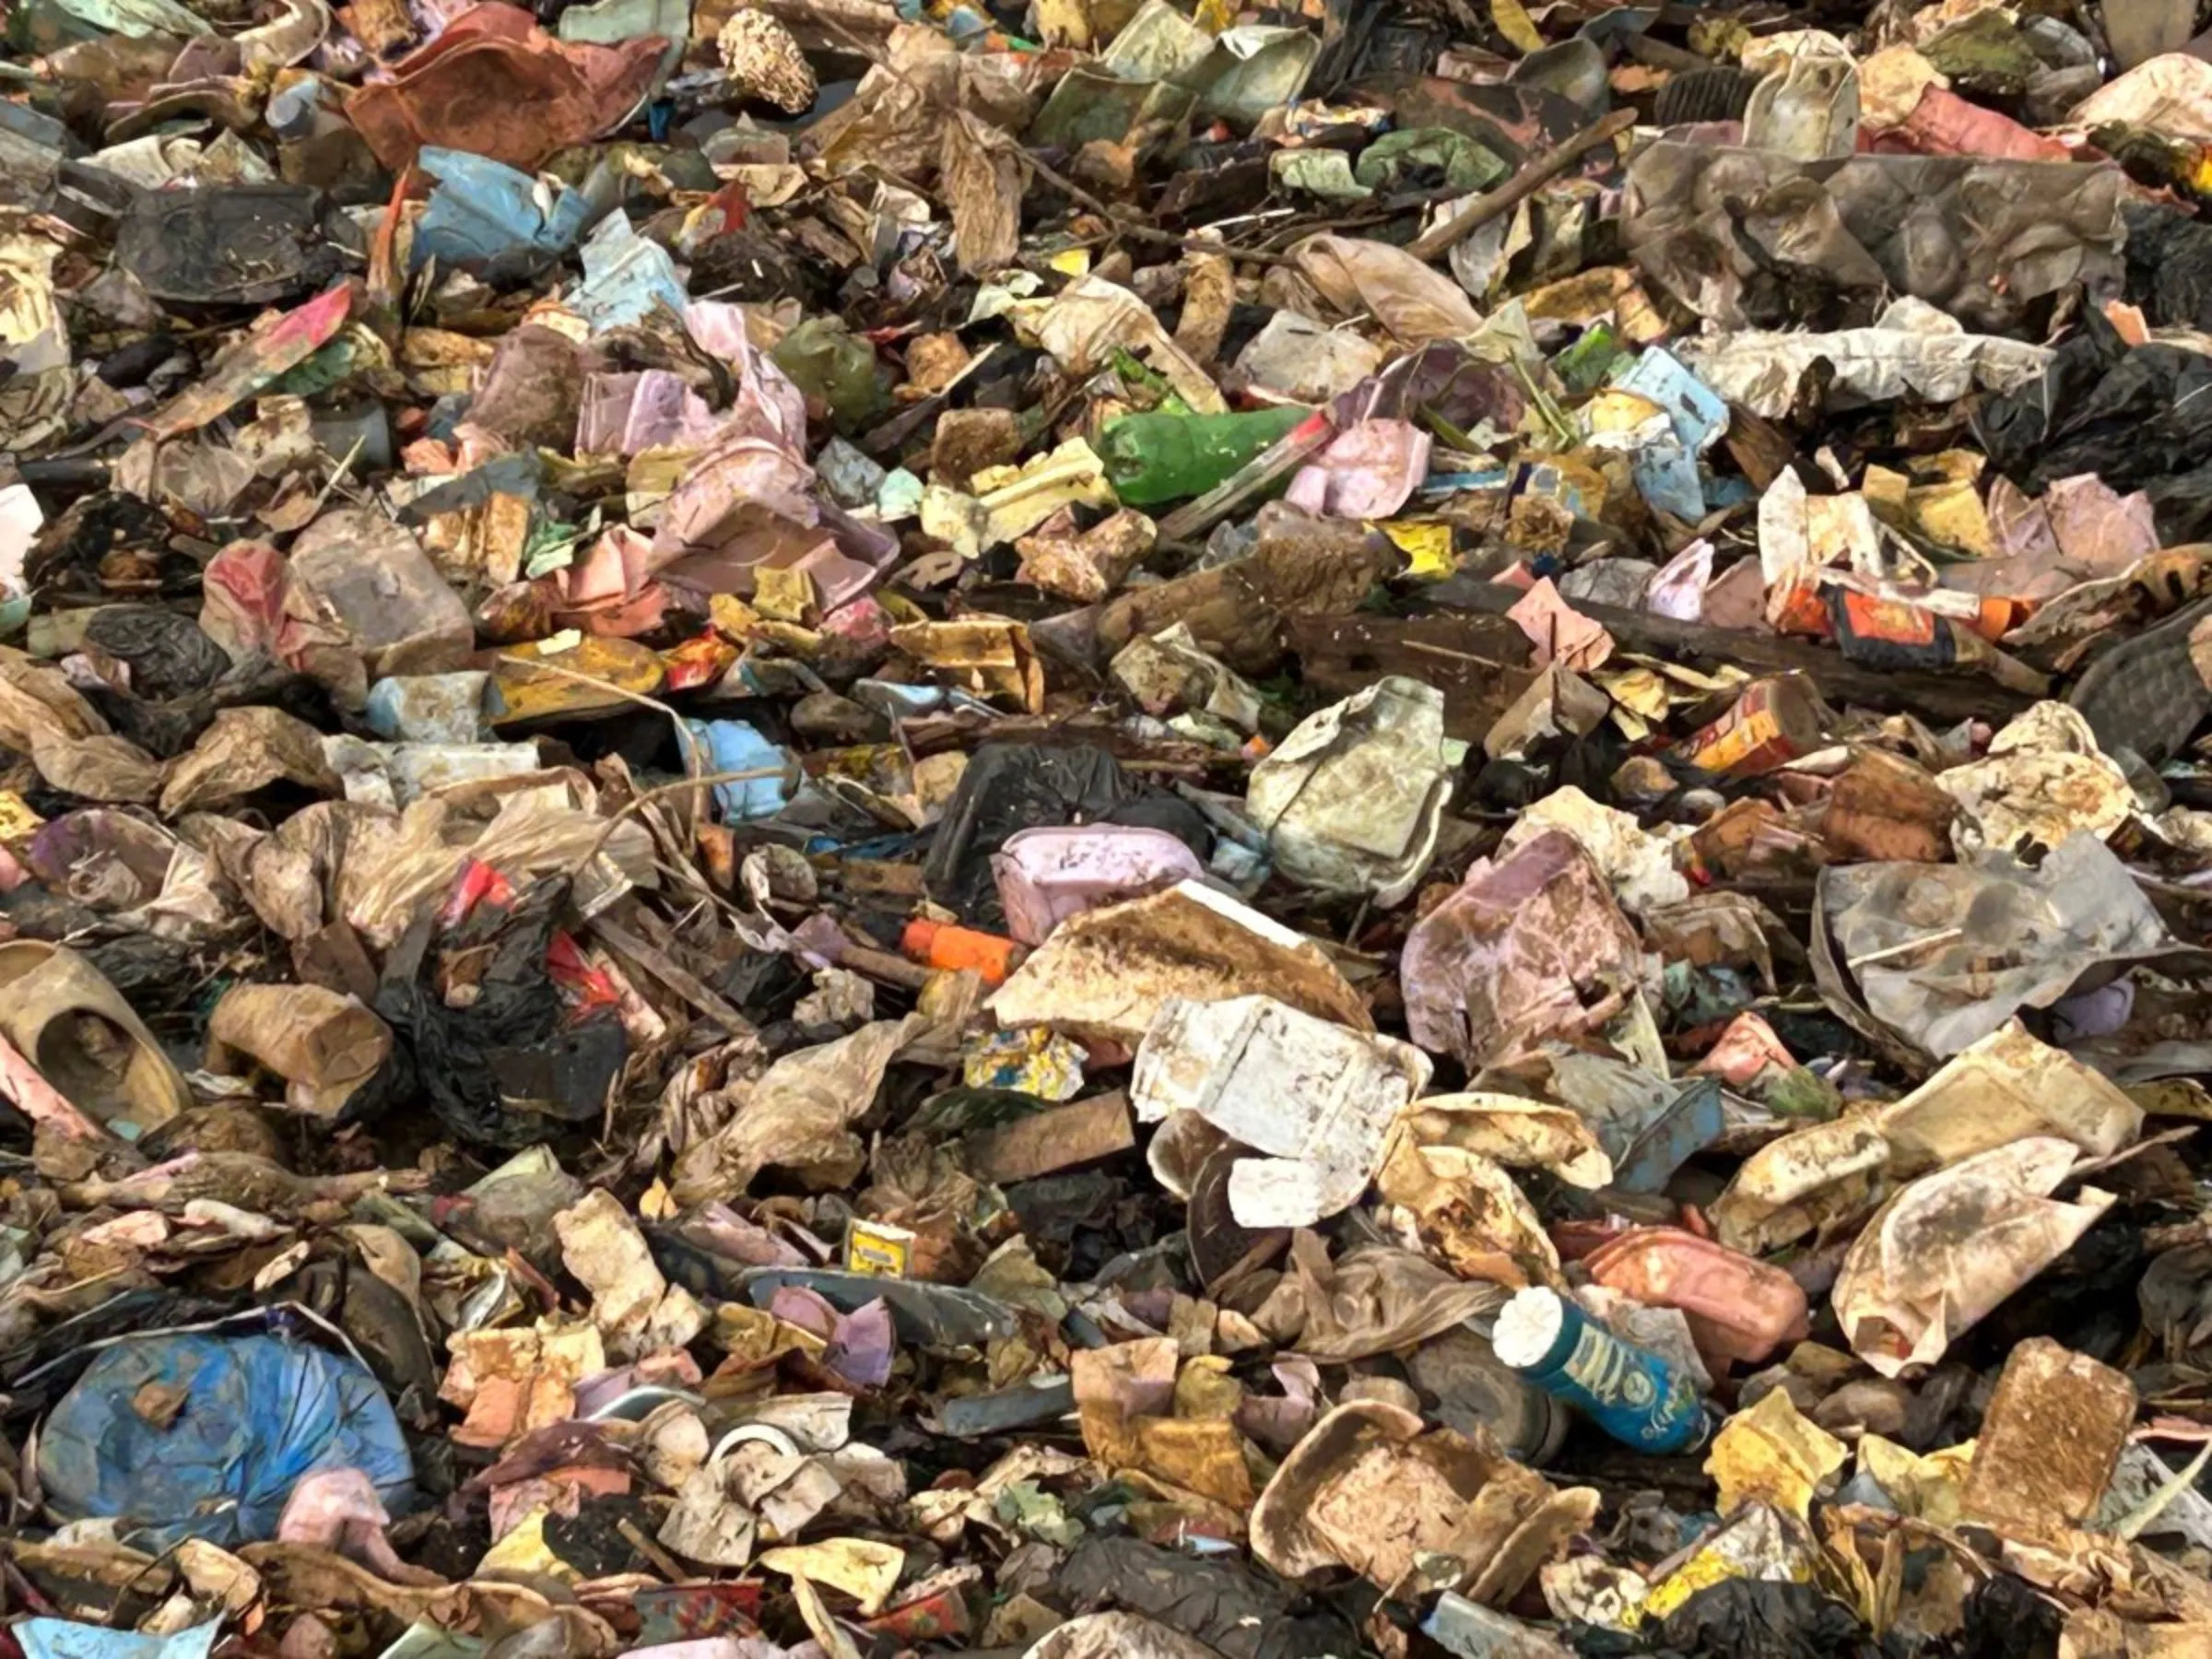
(66, 1638)
(733, 746)
(626, 277)
(481, 210)
(203, 1436)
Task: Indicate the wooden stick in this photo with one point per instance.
(671, 974)
(1144, 233)
(1523, 184)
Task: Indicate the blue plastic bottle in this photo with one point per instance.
(1632, 1393)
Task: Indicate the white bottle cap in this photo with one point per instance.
(1528, 1325)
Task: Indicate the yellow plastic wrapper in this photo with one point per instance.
(1928, 1489)
(1772, 1454)
(18, 821)
(1033, 1060)
(863, 1569)
(1427, 547)
(1761, 1545)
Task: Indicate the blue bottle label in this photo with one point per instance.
(1636, 1396)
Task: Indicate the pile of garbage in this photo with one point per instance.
(1105, 829)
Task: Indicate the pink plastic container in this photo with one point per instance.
(1046, 876)
(1738, 1308)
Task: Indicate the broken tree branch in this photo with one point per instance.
(1523, 184)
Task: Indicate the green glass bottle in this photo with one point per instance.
(1155, 458)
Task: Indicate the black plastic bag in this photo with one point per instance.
(2169, 266)
(2129, 416)
(169, 654)
(229, 244)
(1011, 786)
(1240, 1613)
(1744, 1619)
(507, 1059)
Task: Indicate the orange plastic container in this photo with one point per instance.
(941, 945)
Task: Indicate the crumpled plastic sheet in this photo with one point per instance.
(798, 1115)
(1316, 1098)
(485, 216)
(66, 1638)
(1352, 797)
(1951, 1246)
(1375, 1299)
(1107, 973)
(495, 1068)
(1911, 348)
(394, 864)
(467, 83)
(2171, 95)
(2123, 413)
(1093, 318)
(1977, 239)
(1944, 954)
(2042, 778)
(1368, 472)
(1241, 1613)
(1117, 1636)
(1414, 301)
